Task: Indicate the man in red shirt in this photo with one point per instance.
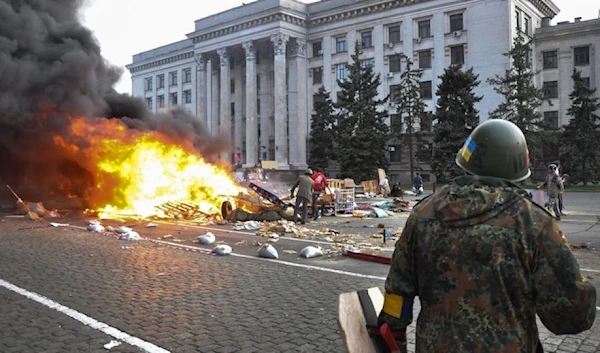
(320, 184)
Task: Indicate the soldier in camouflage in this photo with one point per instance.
(484, 260)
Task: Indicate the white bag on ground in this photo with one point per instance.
(311, 251)
(268, 251)
(95, 226)
(131, 236)
(222, 250)
(207, 238)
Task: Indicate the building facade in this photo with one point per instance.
(252, 71)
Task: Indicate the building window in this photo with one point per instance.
(550, 59)
(366, 39)
(518, 19)
(341, 72)
(317, 75)
(317, 48)
(525, 28)
(426, 121)
(257, 83)
(258, 106)
(396, 123)
(161, 81)
(173, 78)
(187, 96)
(551, 89)
(231, 63)
(425, 90)
(586, 82)
(456, 22)
(148, 84)
(396, 152)
(394, 34)
(340, 44)
(457, 55)
(582, 56)
(232, 86)
(160, 101)
(425, 59)
(424, 29)
(395, 62)
(367, 62)
(339, 95)
(173, 98)
(232, 109)
(551, 119)
(149, 103)
(257, 56)
(187, 75)
(394, 91)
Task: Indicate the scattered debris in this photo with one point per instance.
(222, 250)
(112, 344)
(311, 251)
(131, 236)
(168, 236)
(151, 225)
(207, 238)
(268, 251)
(289, 252)
(123, 230)
(127, 247)
(60, 224)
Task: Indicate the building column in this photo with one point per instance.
(201, 86)
(266, 98)
(280, 94)
(225, 101)
(251, 96)
(214, 97)
(298, 105)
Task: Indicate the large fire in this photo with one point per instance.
(134, 172)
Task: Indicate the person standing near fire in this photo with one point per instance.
(304, 184)
(484, 259)
(320, 183)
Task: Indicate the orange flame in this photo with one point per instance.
(136, 171)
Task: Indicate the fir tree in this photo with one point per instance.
(456, 117)
(411, 106)
(521, 99)
(581, 137)
(361, 131)
(321, 131)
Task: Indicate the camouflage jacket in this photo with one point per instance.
(484, 260)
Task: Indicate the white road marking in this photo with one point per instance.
(310, 267)
(589, 270)
(86, 320)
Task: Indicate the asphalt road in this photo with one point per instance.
(68, 290)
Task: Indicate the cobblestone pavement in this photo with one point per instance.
(179, 300)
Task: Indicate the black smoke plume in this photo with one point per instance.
(51, 64)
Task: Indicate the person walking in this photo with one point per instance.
(484, 260)
(554, 186)
(304, 184)
(320, 183)
(418, 184)
(560, 192)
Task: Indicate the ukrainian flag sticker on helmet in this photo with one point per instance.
(468, 149)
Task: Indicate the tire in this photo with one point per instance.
(226, 209)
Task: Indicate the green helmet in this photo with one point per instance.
(496, 148)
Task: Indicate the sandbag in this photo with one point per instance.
(311, 251)
(131, 236)
(123, 230)
(222, 250)
(95, 226)
(268, 251)
(207, 238)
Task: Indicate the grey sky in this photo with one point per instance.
(126, 27)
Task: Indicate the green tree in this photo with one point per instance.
(321, 131)
(361, 131)
(521, 99)
(456, 117)
(581, 137)
(411, 106)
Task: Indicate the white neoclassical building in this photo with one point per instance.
(253, 70)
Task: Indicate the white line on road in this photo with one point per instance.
(589, 270)
(97, 325)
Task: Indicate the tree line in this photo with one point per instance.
(353, 132)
